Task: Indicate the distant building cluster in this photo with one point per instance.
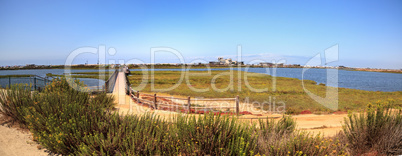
(268, 64)
(28, 66)
(222, 61)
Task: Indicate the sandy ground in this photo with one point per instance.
(16, 142)
(328, 124)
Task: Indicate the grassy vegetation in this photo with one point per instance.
(6, 76)
(69, 122)
(379, 131)
(288, 90)
(280, 138)
(93, 75)
(395, 71)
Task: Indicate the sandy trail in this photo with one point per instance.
(16, 142)
(328, 124)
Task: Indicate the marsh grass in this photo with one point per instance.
(93, 75)
(6, 76)
(287, 90)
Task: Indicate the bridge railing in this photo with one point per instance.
(109, 84)
(127, 85)
(188, 105)
(36, 81)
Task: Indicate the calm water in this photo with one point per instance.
(372, 81)
(43, 72)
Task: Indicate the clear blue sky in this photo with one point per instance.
(369, 33)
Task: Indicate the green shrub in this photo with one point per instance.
(281, 138)
(129, 135)
(285, 125)
(61, 116)
(106, 101)
(301, 143)
(213, 135)
(63, 84)
(378, 130)
(14, 99)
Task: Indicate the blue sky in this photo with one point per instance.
(368, 33)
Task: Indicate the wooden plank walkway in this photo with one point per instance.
(119, 91)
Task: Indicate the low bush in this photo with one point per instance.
(129, 135)
(14, 99)
(59, 116)
(379, 130)
(285, 125)
(281, 138)
(103, 100)
(213, 135)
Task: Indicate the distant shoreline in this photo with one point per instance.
(378, 70)
(131, 66)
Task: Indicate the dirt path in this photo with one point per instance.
(328, 124)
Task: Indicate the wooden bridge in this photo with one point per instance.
(118, 85)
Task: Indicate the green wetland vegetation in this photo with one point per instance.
(280, 89)
(93, 75)
(6, 76)
(70, 122)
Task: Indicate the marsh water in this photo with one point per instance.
(42, 73)
(371, 81)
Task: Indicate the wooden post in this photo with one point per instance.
(237, 105)
(9, 82)
(188, 105)
(156, 106)
(138, 94)
(35, 83)
(106, 87)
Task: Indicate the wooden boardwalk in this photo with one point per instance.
(119, 91)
